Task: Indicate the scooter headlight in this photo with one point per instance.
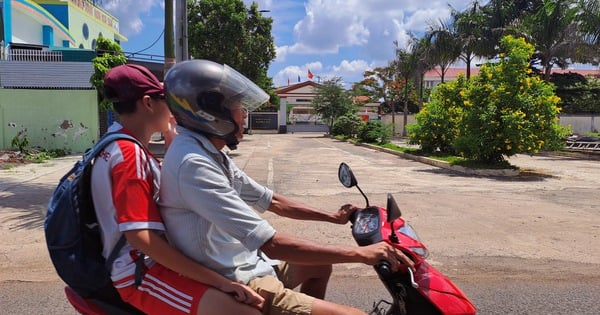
(407, 229)
(420, 251)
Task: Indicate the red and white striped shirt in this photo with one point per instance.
(124, 189)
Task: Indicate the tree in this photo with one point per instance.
(444, 47)
(498, 16)
(109, 55)
(226, 31)
(507, 109)
(554, 31)
(420, 48)
(589, 16)
(469, 26)
(382, 83)
(332, 101)
(407, 65)
(503, 111)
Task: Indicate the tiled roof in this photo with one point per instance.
(46, 75)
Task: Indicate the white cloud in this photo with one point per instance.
(331, 25)
(131, 13)
(292, 73)
(347, 37)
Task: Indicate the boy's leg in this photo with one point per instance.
(164, 291)
(215, 302)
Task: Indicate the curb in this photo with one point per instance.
(442, 164)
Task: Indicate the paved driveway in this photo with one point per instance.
(524, 245)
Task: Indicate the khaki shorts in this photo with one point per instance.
(279, 300)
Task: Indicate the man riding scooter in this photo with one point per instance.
(206, 199)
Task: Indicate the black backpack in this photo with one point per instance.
(73, 233)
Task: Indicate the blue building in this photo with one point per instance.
(56, 24)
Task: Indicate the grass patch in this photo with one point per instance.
(35, 156)
(398, 148)
(593, 134)
(451, 159)
(482, 165)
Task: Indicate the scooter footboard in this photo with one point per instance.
(441, 291)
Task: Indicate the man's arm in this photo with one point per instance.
(286, 207)
(301, 251)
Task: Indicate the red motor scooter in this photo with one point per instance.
(95, 306)
(426, 291)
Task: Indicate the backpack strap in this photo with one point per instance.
(113, 254)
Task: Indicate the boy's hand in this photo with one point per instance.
(170, 133)
(244, 294)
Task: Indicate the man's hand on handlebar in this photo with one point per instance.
(343, 214)
(377, 252)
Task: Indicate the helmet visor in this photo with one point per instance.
(241, 89)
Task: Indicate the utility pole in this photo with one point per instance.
(181, 30)
(169, 37)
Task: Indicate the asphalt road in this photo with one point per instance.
(524, 245)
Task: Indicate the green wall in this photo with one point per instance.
(51, 119)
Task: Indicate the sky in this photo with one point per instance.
(331, 38)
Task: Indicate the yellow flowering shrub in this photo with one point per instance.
(503, 111)
(513, 111)
(437, 123)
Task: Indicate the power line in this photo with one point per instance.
(151, 45)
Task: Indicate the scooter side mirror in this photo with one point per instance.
(346, 176)
(393, 211)
(347, 179)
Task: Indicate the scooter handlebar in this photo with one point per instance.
(384, 269)
(353, 216)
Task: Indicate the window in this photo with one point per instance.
(86, 31)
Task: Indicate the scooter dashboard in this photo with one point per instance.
(366, 227)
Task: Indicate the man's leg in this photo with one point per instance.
(280, 300)
(321, 307)
(313, 279)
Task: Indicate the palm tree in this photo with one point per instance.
(497, 16)
(420, 48)
(469, 26)
(444, 47)
(555, 32)
(407, 65)
(589, 16)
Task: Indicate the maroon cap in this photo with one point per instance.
(130, 82)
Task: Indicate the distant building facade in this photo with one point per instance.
(45, 69)
(434, 77)
(56, 23)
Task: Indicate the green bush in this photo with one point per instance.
(437, 123)
(346, 126)
(508, 110)
(374, 132)
(20, 142)
(504, 110)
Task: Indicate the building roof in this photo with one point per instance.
(291, 88)
(452, 73)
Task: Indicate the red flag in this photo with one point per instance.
(310, 75)
(288, 81)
